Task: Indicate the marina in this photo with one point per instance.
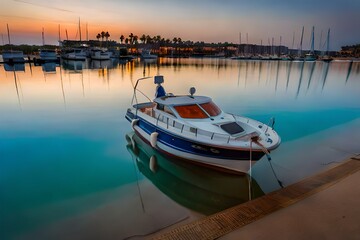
(79, 167)
(149, 120)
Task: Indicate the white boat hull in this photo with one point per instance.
(234, 165)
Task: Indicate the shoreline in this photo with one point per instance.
(324, 197)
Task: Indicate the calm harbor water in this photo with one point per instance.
(67, 169)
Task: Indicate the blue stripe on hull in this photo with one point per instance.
(185, 145)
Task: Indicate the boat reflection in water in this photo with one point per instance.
(49, 67)
(73, 65)
(14, 67)
(102, 64)
(197, 188)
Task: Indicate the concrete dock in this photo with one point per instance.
(324, 206)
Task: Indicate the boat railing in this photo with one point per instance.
(181, 128)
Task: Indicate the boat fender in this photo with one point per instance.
(153, 139)
(133, 123)
(133, 144)
(153, 164)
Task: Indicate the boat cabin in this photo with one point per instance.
(189, 107)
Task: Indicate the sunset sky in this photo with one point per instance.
(196, 20)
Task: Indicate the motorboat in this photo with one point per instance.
(100, 54)
(13, 56)
(48, 55)
(146, 54)
(195, 129)
(77, 54)
(179, 180)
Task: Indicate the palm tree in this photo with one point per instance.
(143, 38)
(131, 38)
(135, 39)
(102, 35)
(158, 38)
(98, 36)
(126, 41)
(148, 39)
(122, 38)
(175, 39)
(107, 35)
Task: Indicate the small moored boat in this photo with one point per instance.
(194, 128)
(100, 54)
(12, 56)
(76, 54)
(48, 55)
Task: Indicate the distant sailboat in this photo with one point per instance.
(300, 57)
(327, 58)
(240, 55)
(46, 54)
(12, 56)
(311, 55)
(75, 53)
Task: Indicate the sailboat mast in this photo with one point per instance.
(280, 46)
(87, 33)
(247, 44)
(328, 42)
(59, 34)
(312, 40)
(43, 39)
(292, 46)
(240, 43)
(79, 30)
(320, 40)
(7, 25)
(301, 41)
(293, 41)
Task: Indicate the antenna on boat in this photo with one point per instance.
(192, 91)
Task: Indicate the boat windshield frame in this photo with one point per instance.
(210, 108)
(197, 111)
(190, 111)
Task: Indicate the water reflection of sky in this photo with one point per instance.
(62, 133)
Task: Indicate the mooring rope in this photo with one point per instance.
(267, 153)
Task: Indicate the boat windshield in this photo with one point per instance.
(190, 111)
(211, 109)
